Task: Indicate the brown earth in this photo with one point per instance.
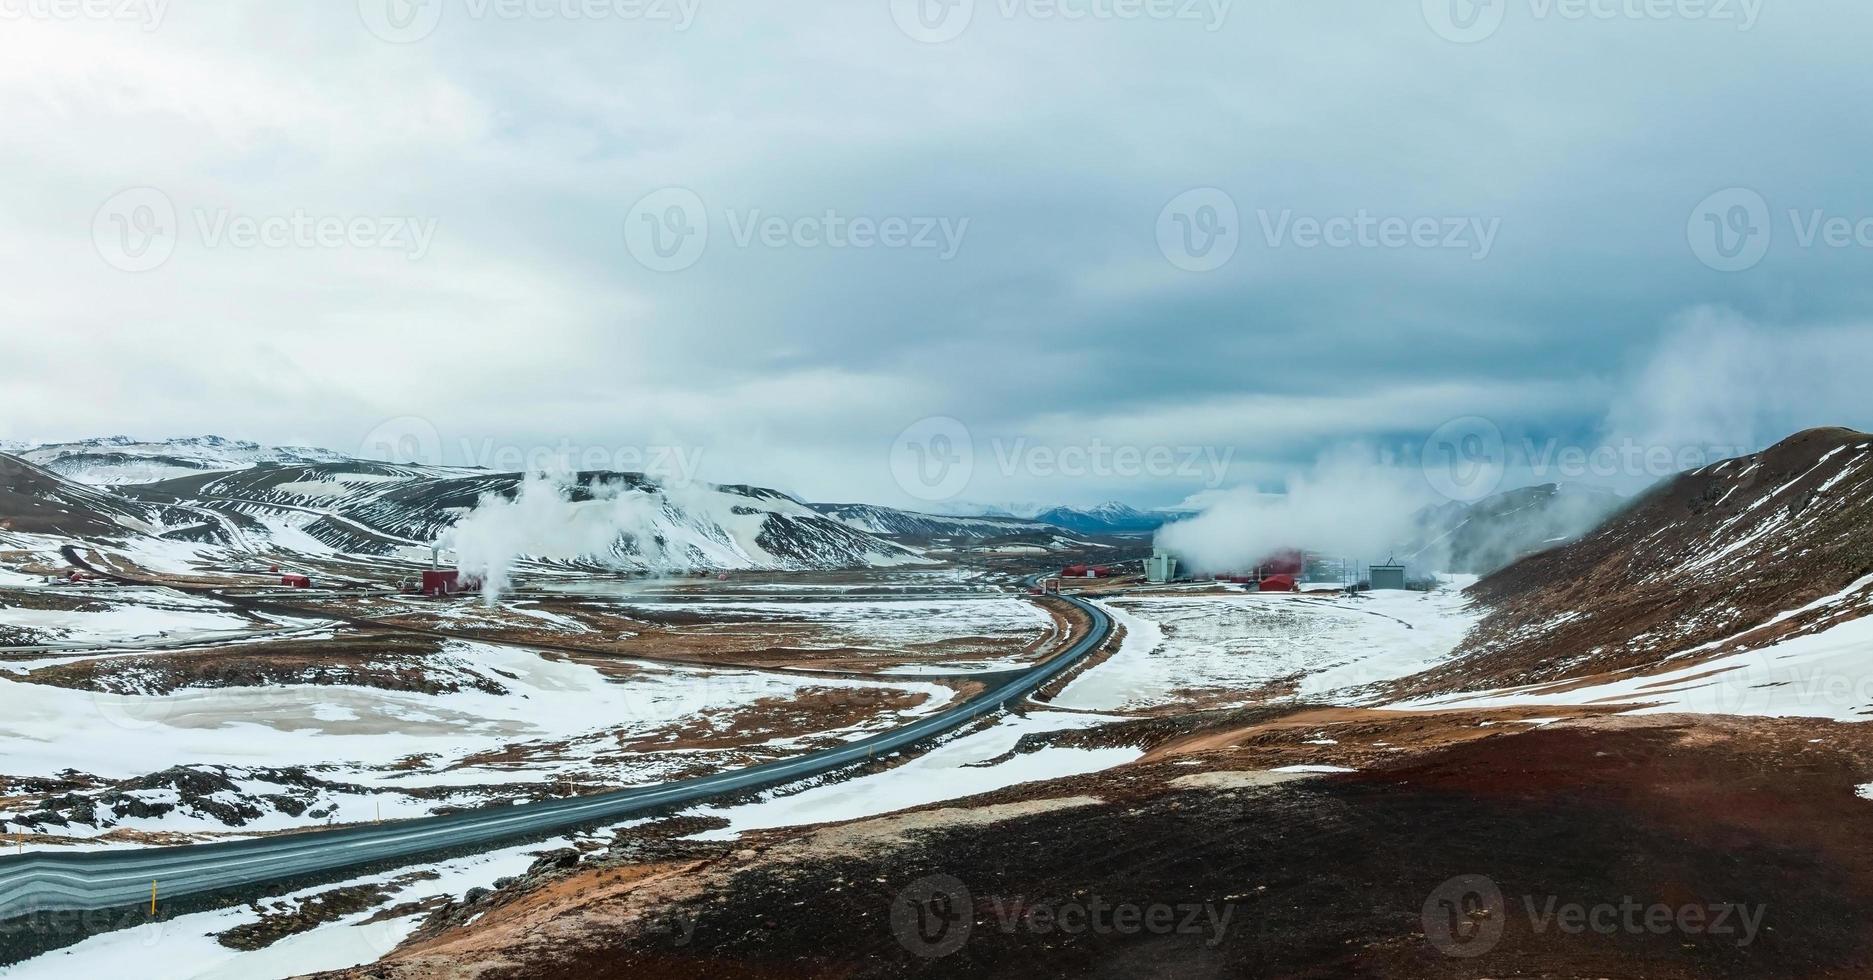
(682, 636)
(815, 710)
(388, 661)
(1703, 558)
(1755, 822)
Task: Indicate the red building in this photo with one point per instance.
(437, 581)
(296, 580)
(1278, 583)
(1287, 561)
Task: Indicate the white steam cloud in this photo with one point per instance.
(618, 524)
(1717, 379)
(1354, 503)
(1716, 383)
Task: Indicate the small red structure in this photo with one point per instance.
(296, 580)
(439, 582)
(1278, 583)
(1288, 561)
(1086, 571)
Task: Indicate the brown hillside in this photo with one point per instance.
(1703, 557)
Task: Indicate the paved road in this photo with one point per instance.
(109, 879)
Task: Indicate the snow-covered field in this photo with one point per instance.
(955, 769)
(117, 615)
(558, 720)
(1240, 647)
(186, 948)
(1828, 674)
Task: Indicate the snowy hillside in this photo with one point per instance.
(36, 501)
(1732, 556)
(208, 494)
(892, 522)
(384, 509)
(118, 460)
(1111, 517)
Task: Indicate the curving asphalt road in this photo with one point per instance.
(47, 882)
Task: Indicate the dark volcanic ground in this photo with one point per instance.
(1720, 848)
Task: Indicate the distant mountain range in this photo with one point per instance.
(1111, 517)
(891, 522)
(120, 460)
(208, 492)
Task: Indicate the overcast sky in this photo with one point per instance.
(1060, 250)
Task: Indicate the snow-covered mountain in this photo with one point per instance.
(121, 460)
(1111, 517)
(891, 522)
(36, 501)
(379, 508)
(248, 498)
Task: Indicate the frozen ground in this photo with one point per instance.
(889, 624)
(1816, 675)
(186, 947)
(962, 634)
(955, 769)
(1223, 649)
(558, 720)
(112, 615)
